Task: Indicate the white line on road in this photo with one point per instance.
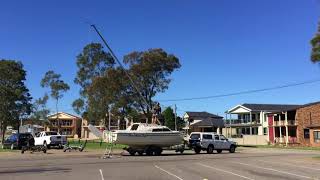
(270, 169)
(102, 178)
(217, 169)
(288, 164)
(168, 172)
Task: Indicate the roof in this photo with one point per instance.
(270, 107)
(209, 122)
(202, 115)
(64, 113)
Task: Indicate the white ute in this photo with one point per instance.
(50, 138)
(210, 141)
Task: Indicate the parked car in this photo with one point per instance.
(49, 139)
(17, 141)
(209, 142)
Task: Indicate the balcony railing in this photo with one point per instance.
(241, 121)
(283, 123)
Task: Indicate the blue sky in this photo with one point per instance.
(223, 46)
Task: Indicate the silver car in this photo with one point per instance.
(209, 142)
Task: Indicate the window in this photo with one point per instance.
(207, 136)
(316, 136)
(265, 131)
(306, 133)
(216, 137)
(223, 138)
(135, 127)
(166, 129)
(156, 130)
(195, 136)
(51, 133)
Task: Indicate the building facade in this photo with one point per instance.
(251, 119)
(203, 122)
(70, 125)
(308, 124)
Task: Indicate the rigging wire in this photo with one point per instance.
(242, 92)
(120, 64)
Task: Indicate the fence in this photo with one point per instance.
(252, 140)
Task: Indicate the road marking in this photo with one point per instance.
(290, 165)
(217, 169)
(168, 172)
(102, 178)
(270, 169)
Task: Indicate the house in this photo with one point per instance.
(85, 131)
(70, 125)
(308, 124)
(296, 126)
(251, 119)
(203, 122)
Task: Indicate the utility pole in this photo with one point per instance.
(109, 123)
(175, 117)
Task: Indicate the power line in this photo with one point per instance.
(242, 92)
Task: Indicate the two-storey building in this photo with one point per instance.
(69, 125)
(251, 119)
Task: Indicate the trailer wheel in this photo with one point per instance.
(140, 153)
(132, 152)
(157, 151)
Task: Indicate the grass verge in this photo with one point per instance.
(96, 144)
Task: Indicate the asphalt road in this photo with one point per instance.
(244, 164)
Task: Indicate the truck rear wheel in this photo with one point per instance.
(210, 149)
(232, 149)
(197, 150)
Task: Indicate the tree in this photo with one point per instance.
(92, 62)
(40, 111)
(169, 118)
(57, 87)
(315, 42)
(150, 71)
(105, 86)
(14, 95)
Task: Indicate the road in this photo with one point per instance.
(244, 164)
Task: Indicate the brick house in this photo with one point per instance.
(70, 125)
(296, 126)
(308, 124)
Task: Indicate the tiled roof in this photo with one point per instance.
(202, 115)
(210, 122)
(270, 107)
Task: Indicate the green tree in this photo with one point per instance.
(150, 71)
(315, 42)
(105, 86)
(14, 95)
(40, 111)
(92, 62)
(57, 88)
(169, 118)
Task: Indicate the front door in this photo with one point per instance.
(271, 132)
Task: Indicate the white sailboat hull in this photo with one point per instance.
(141, 139)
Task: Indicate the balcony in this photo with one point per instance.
(283, 123)
(240, 121)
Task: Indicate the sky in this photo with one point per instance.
(224, 46)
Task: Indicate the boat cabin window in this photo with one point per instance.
(156, 130)
(195, 136)
(161, 130)
(166, 129)
(135, 127)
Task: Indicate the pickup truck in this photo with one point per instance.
(50, 138)
(209, 142)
